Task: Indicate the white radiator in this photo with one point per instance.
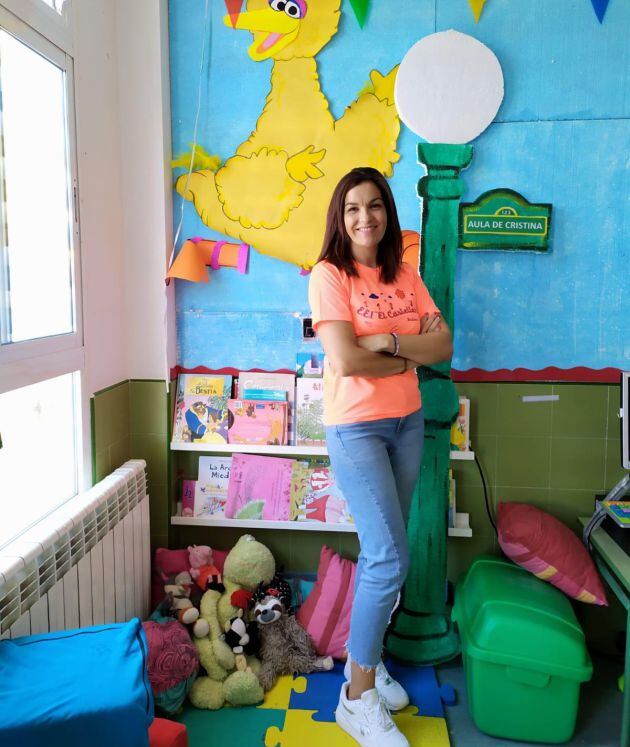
(88, 563)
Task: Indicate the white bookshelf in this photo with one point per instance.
(276, 450)
(303, 526)
(296, 451)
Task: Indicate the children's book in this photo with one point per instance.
(188, 497)
(310, 365)
(201, 408)
(460, 430)
(451, 499)
(309, 407)
(257, 422)
(276, 382)
(269, 394)
(619, 511)
(316, 497)
(259, 488)
(212, 486)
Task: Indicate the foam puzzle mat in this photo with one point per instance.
(300, 712)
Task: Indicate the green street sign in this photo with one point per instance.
(504, 219)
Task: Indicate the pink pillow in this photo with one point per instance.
(543, 545)
(170, 563)
(326, 612)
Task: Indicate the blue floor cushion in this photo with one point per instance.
(76, 688)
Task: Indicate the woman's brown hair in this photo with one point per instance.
(337, 247)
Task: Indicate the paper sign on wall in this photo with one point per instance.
(504, 219)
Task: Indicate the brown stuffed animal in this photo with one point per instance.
(286, 648)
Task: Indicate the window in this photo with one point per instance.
(42, 451)
(55, 4)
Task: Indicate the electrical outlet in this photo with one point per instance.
(308, 333)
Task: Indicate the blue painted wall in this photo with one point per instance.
(562, 135)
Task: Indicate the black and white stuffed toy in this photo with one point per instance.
(242, 637)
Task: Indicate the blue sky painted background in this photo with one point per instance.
(562, 135)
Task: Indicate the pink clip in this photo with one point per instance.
(243, 256)
(216, 251)
(304, 271)
(197, 239)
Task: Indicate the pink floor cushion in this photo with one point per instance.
(543, 545)
(325, 614)
(173, 663)
(165, 733)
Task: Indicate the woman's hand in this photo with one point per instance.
(383, 343)
(430, 323)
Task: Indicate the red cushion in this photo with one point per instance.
(326, 612)
(542, 544)
(165, 733)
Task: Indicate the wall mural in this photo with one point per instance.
(274, 191)
(290, 95)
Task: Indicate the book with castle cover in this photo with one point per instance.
(212, 484)
(315, 495)
(279, 382)
(201, 414)
(309, 408)
(257, 422)
(259, 488)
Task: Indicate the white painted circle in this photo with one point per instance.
(449, 87)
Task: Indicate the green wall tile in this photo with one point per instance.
(120, 452)
(613, 471)
(538, 497)
(348, 545)
(484, 403)
(523, 461)
(154, 449)
(461, 551)
(111, 415)
(578, 463)
(567, 505)
(518, 418)
(581, 411)
(471, 500)
(102, 464)
(148, 407)
(613, 429)
(486, 451)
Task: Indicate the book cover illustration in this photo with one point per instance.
(309, 406)
(310, 365)
(460, 430)
(257, 422)
(259, 488)
(188, 497)
(201, 409)
(212, 486)
(260, 380)
(316, 497)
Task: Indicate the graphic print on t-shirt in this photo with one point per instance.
(387, 305)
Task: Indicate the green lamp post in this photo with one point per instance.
(431, 104)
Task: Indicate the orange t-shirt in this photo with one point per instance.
(372, 307)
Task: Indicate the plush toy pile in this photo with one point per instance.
(241, 624)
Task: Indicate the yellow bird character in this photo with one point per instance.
(273, 193)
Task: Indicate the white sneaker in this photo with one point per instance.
(392, 692)
(368, 720)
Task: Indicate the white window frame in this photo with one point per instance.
(27, 362)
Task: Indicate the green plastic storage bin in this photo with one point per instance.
(524, 653)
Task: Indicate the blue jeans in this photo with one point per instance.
(376, 465)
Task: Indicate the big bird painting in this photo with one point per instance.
(274, 191)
